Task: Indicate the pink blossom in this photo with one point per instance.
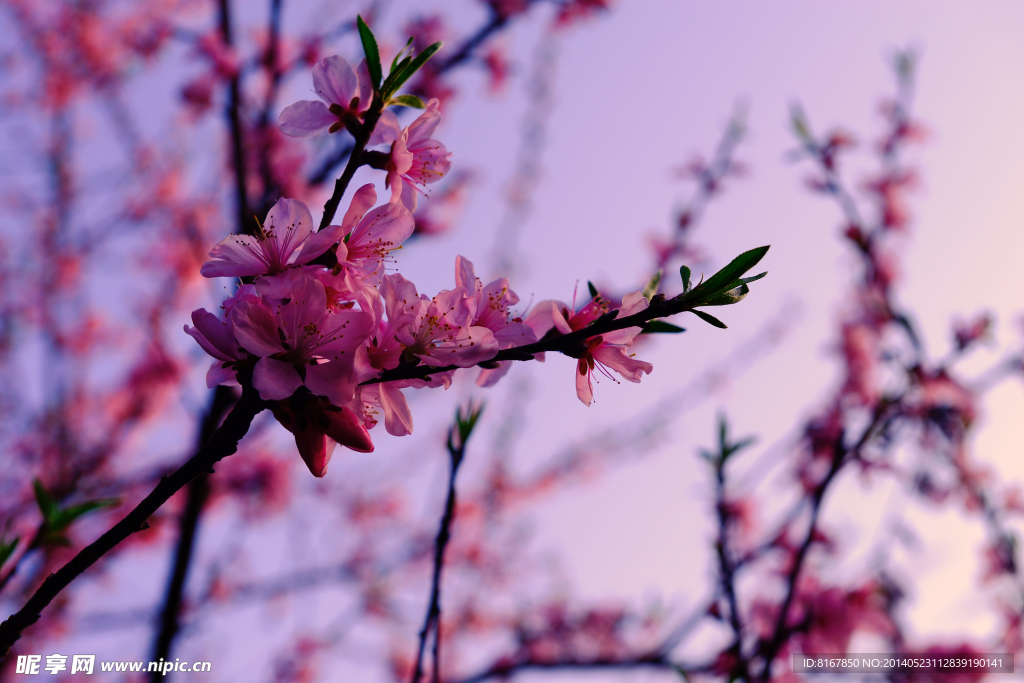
(318, 427)
(369, 236)
(343, 89)
(287, 239)
(491, 304)
(604, 352)
(300, 342)
(437, 331)
(217, 337)
(416, 158)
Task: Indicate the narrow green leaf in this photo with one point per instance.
(593, 290)
(710, 319)
(396, 80)
(798, 120)
(395, 73)
(64, 518)
(660, 326)
(371, 51)
(745, 280)
(7, 549)
(46, 505)
(398, 56)
(728, 297)
(651, 288)
(408, 101)
(727, 276)
(684, 273)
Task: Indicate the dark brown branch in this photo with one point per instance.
(235, 125)
(222, 444)
(432, 620)
(570, 344)
(355, 160)
(841, 455)
(198, 492)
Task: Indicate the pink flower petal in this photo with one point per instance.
(236, 256)
(335, 81)
(288, 225)
(218, 374)
(275, 379)
(305, 118)
(397, 416)
(615, 357)
(423, 127)
(256, 329)
(213, 335)
(387, 129)
(344, 427)
(584, 390)
(315, 449)
(362, 201)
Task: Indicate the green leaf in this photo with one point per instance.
(593, 290)
(47, 507)
(398, 78)
(660, 326)
(398, 56)
(730, 296)
(64, 518)
(408, 101)
(745, 280)
(728, 276)
(651, 288)
(798, 120)
(684, 273)
(7, 549)
(371, 51)
(710, 319)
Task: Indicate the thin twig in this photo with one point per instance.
(222, 444)
(432, 620)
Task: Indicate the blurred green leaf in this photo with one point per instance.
(593, 290)
(408, 101)
(651, 288)
(47, 507)
(798, 120)
(7, 549)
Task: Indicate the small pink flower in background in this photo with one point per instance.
(426, 30)
(967, 333)
(222, 56)
(343, 89)
(498, 69)
(302, 343)
(438, 331)
(217, 337)
(491, 304)
(286, 239)
(604, 352)
(416, 158)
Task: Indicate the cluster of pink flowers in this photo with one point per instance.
(317, 316)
